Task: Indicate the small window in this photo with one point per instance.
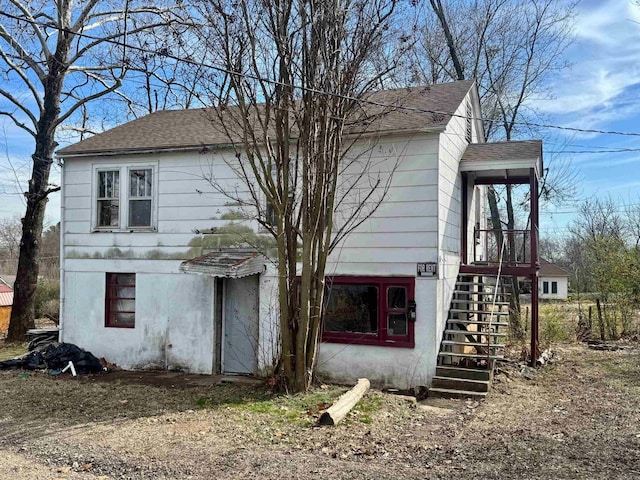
(120, 308)
(140, 197)
(368, 310)
(108, 198)
(554, 287)
(545, 287)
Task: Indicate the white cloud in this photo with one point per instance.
(595, 90)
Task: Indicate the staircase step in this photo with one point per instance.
(464, 384)
(480, 302)
(472, 344)
(448, 393)
(471, 332)
(470, 355)
(466, 310)
(453, 321)
(461, 372)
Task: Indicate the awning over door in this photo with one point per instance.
(230, 263)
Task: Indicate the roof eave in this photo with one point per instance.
(222, 146)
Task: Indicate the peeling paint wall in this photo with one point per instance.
(174, 325)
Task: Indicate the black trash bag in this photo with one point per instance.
(30, 361)
(58, 356)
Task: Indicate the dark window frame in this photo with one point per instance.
(554, 288)
(545, 287)
(381, 337)
(109, 311)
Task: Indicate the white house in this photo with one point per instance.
(155, 273)
(553, 281)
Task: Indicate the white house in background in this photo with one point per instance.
(156, 272)
(553, 281)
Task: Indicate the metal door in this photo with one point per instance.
(241, 325)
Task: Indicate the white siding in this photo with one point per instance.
(403, 229)
(185, 201)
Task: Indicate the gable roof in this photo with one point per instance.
(196, 128)
(548, 269)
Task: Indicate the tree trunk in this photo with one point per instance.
(23, 310)
(24, 300)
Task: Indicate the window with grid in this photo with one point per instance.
(554, 287)
(369, 311)
(120, 300)
(545, 287)
(140, 197)
(108, 198)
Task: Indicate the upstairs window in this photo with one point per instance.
(120, 300)
(124, 197)
(108, 198)
(369, 311)
(140, 197)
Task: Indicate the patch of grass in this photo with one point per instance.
(301, 409)
(366, 407)
(12, 350)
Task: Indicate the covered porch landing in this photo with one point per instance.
(496, 251)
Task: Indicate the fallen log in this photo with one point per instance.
(339, 410)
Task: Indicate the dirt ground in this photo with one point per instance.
(576, 418)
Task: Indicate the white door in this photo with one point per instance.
(241, 325)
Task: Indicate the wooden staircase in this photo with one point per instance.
(473, 338)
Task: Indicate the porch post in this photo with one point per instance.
(533, 184)
(464, 235)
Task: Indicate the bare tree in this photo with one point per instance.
(510, 48)
(296, 72)
(62, 55)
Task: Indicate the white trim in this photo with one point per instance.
(123, 209)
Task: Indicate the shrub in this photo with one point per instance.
(48, 299)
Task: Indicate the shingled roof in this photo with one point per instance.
(198, 128)
(548, 269)
(503, 151)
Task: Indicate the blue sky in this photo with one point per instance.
(601, 90)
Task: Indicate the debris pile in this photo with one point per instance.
(56, 357)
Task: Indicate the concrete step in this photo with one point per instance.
(471, 332)
(453, 321)
(471, 344)
(462, 372)
(448, 393)
(464, 384)
(470, 355)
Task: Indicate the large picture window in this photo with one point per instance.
(369, 310)
(120, 301)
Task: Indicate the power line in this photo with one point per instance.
(259, 78)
